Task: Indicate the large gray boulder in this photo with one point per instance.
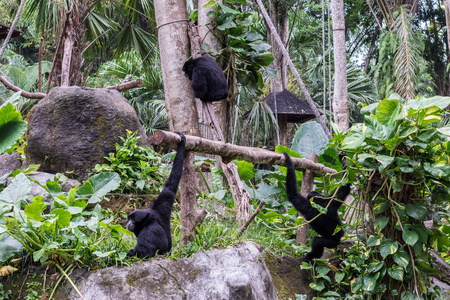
(9, 163)
(73, 128)
(234, 273)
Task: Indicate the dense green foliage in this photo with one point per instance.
(139, 167)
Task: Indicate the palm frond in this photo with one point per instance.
(406, 57)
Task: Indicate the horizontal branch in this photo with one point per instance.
(126, 86)
(228, 151)
(25, 94)
(120, 87)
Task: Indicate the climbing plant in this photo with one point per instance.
(399, 161)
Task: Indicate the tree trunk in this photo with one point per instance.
(340, 97)
(447, 21)
(307, 186)
(171, 18)
(208, 36)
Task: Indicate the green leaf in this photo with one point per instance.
(423, 103)
(34, 210)
(410, 237)
(102, 254)
(380, 223)
(388, 247)
(11, 127)
(245, 170)
(9, 246)
(370, 282)
(401, 258)
(387, 111)
(227, 9)
(374, 266)
(116, 229)
(373, 241)
(98, 186)
(318, 286)
(263, 59)
(356, 138)
(396, 272)
(16, 191)
(63, 217)
(309, 139)
(210, 3)
(339, 276)
(417, 211)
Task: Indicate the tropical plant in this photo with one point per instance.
(139, 167)
(148, 101)
(11, 127)
(401, 161)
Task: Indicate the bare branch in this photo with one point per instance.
(25, 94)
(261, 204)
(126, 86)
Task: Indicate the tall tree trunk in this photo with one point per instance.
(340, 97)
(447, 21)
(208, 36)
(171, 18)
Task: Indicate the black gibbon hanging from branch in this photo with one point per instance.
(208, 81)
(152, 226)
(323, 224)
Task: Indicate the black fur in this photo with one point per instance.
(152, 226)
(208, 81)
(324, 224)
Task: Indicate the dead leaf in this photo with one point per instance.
(6, 270)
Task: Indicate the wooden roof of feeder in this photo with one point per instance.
(289, 105)
(4, 29)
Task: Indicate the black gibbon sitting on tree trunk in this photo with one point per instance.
(208, 81)
(152, 226)
(323, 224)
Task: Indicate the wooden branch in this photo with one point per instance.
(126, 86)
(25, 94)
(169, 139)
(261, 204)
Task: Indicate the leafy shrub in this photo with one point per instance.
(401, 160)
(139, 167)
(68, 228)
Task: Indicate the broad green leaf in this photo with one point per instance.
(356, 138)
(16, 191)
(309, 139)
(98, 186)
(374, 266)
(410, 237)
(9, 246)
(35, 208)
(228, 9)
(370, 282)
(380, 223)
(437, 170)
(245, 170)
(102, 254)
(3, 229)
(339, 276)
(63, 217)
(396, 272)
(401, 258)
(417, 211)
(116, 229)
(422, 103)
(210, 3)
(318, 286)
(11, 127)
(429, 115)
(387, 111)
(388, 247)
(444, 130)
(373, 241)
(264, 59)
(384, 160)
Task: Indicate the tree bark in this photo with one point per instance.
(67, 54)
(171, 18)
(229, 151)
(447, 21)
(208, 35)
(307, 185)
(340, 97)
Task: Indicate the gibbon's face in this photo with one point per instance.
(137, 219)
